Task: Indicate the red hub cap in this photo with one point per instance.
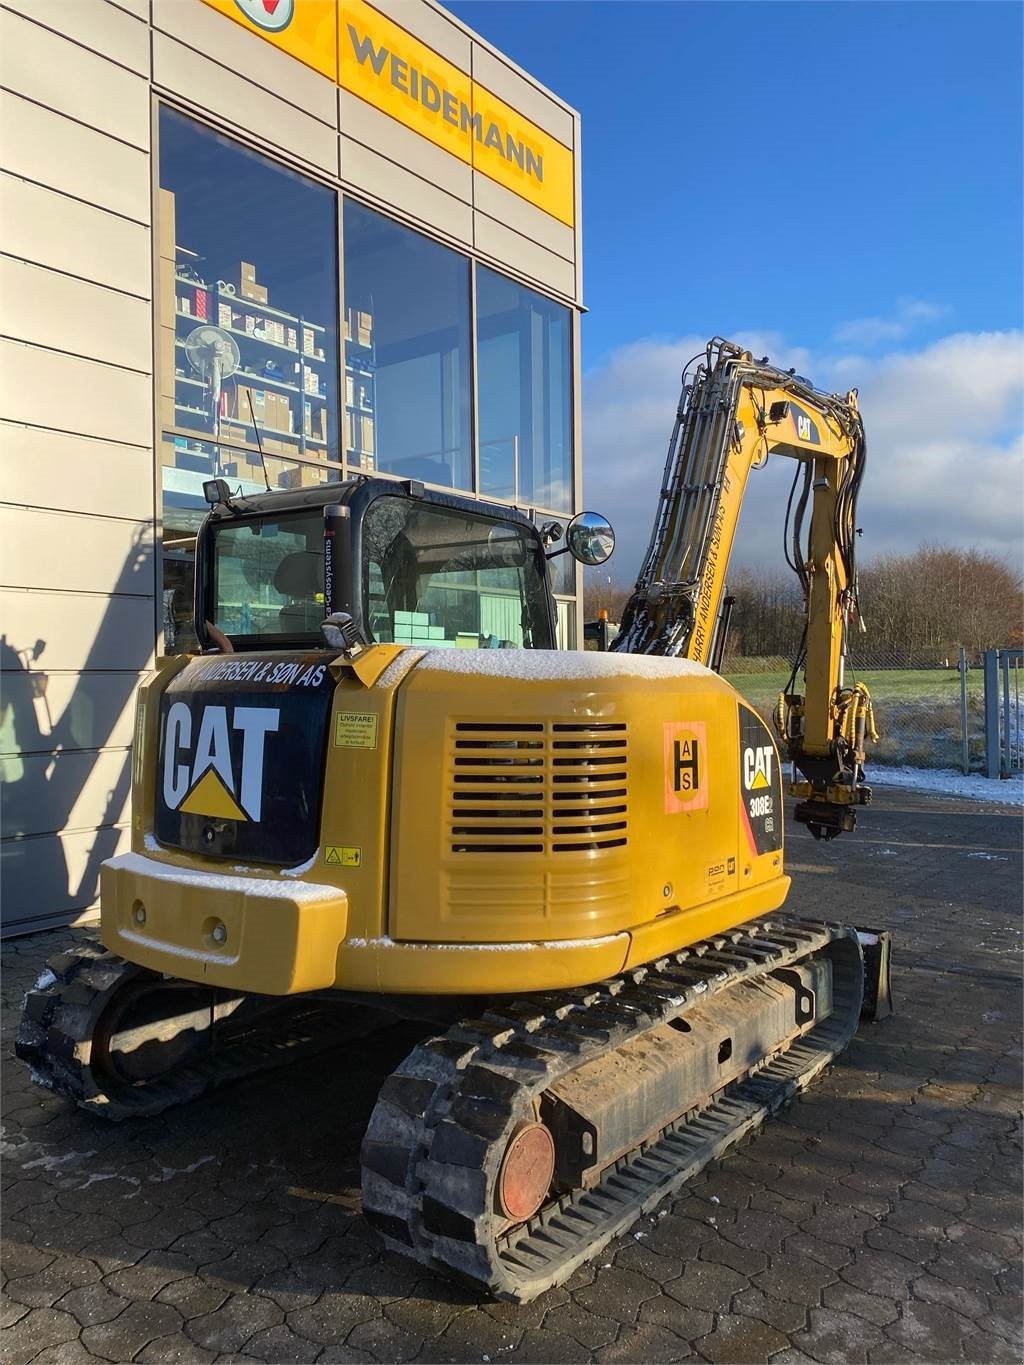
(526, 1171)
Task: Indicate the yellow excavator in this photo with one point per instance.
(380, 791)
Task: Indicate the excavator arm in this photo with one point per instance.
(735, 411)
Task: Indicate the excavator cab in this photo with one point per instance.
(405, 565)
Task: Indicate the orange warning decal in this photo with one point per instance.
(686, 766)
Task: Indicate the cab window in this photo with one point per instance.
(444, 578)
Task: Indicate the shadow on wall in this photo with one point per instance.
(48, 760)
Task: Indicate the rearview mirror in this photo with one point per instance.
(590, 538)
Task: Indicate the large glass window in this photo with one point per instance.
(407, 353)
(247, 301)
(441, 577)
(524, 382)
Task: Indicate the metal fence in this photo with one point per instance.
(1004, 741)
(930, 714)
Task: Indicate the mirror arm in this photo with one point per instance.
(553, 554)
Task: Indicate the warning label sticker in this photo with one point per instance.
(343, 857)
(355, 730)
(686, 762)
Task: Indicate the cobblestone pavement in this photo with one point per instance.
(878, 1219)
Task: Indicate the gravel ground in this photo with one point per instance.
(879, 1219)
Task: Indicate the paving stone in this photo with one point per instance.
(231, 1325)
(92, 1303)
(11, 1311)
(344, 1355)
(967, 1302)
(474, 1334)
(780, 1313)
(796, 1279)
(706, 1285)
(21, 1258)
(644, 1342)
(124, 1336)
(67, 1353)
(150, 1275)
(930, 1330)
(280, 1345)
(880, 1272)
(837, 1337)
(332, 1318)
(177, 1349)
(687, 1323)
(617, 1293)
(872, 1307)
(740, 1339)
(382, 1339)
(193, 1297)
(741, 1259)
(540, 1346)
(588, 1328)
(40, 1328)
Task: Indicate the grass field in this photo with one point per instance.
(897, 684)
(917, 711)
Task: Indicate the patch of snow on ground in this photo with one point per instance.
(947, 782)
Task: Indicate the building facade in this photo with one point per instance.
(274, 241)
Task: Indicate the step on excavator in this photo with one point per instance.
(380, 791)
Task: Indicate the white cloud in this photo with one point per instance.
(908, 314)
(945, 449)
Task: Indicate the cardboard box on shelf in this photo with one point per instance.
(165, 221)
(256, 293)
(318, 426)
(232, 433)
(307, 340)
(247, 272)
(300, 476)
(366, 435)
(243, 394)
(224, 315)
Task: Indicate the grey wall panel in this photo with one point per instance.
(108, 29)
(80, 631)
(365, 170)
(67, 791)
(56, 151)
(71, 80)
(255, 111)
(140, 8)
(42, 468)
(202, 28)
(538, 264)
(46, 388)
(42, 549)
(432, 26)
(387, 137)
(48, 228)
(53, 878)
(77, 711)
(523, 217)
(51, 309)
(522, 94)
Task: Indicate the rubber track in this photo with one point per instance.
(441, 1125)
(59, 1018)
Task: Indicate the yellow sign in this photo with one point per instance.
(378, 60)
(342, 857)
(355, 730)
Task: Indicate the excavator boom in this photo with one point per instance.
(735, 411)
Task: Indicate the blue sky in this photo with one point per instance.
(839, 182)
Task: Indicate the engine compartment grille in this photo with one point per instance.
(538, 786)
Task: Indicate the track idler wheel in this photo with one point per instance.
(526, 1172)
